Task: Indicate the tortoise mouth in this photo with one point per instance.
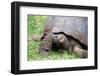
(61, 40)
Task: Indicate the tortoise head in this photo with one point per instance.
(59, 38)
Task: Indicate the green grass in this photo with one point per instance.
(35, 27)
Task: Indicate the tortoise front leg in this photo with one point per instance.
(46, 44)
(80, 52)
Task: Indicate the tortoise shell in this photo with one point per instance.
(74, 26)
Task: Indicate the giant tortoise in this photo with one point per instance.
(66, 33)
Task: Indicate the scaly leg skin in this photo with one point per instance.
(80, 52)
(46, 45)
